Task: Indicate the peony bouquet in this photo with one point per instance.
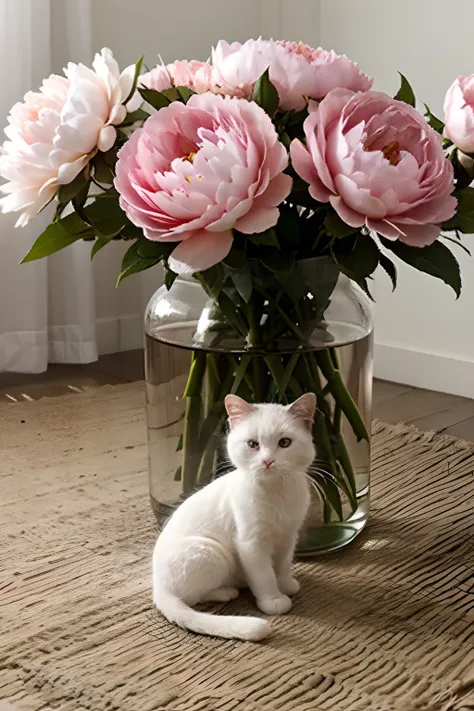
(234, 171)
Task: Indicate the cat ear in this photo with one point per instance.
(237, 409)
(304, 408)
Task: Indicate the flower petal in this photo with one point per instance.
(107, 138)
(200, 252)
(258, 220)
(347, 214)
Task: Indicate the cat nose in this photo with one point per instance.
(268, 462)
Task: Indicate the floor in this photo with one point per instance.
(393, 403)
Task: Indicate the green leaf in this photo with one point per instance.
(405, 93)
(433, 121)
(148, 249)
(214, 279)
(68, 192)
(458, 243)
(329, 491)
(103, 171)
(465, 199)
(280, 262)
(106, 216)
(56, 236)
(139, 266)
(98, 244)
(298, 117)
(463, 170)
(133, 116)
(356, 257)
(132, 263)
(80, 199)
(227, 306)
(288, 228)
(336, 227)
(464, 219)
(138, 67)
(243, 282)
(265, 94)
(185, 93)
(170, 277)
(365, 287)
(451, 224)
(131, 232)
(155, 98)
(178, 473)
(390, 268)
(268, 238)
(236, 258)
(179, 446)
(172, 94)
(434, 259)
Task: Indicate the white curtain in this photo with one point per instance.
(63, 309)
(47, 307)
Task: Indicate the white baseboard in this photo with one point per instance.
(424, 370)
(119, 334)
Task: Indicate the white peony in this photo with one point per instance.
(54, 133)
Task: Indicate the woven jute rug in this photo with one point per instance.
(385, 625)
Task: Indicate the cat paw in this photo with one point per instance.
(275, 605)
(289, 586)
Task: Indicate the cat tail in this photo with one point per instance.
(251, 629)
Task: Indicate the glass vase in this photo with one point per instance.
(196, 354)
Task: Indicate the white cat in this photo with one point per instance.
(241, 530)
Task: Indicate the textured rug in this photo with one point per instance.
(385, 625)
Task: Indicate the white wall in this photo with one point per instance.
(424, 336)
(183, 29)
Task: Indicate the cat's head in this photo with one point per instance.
(268, 440)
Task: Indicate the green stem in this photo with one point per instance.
(206, 467)
(341, 394)
(192, 421)
(283, 315)
(258, 379)
(254, 337)
(346, 464)
(196, 374)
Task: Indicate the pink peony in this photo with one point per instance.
(54, 132)
(236, 67)
(459, 113)
(297, 70)
(378, 163)
(196, 171)
(313, 73)
(157, 78)
(196, 75)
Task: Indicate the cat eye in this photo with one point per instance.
(284, 442)
(252, 444)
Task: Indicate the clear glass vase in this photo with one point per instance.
(194, 357)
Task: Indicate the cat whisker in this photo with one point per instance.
(320, 470)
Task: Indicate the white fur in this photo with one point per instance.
(240, 530)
